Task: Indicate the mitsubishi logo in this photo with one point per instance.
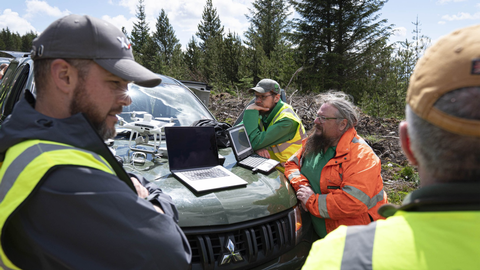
(227, 258)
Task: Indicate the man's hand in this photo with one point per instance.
(258, 108)
(141, 190)
(304, 193)
(143, 193)
(263, 152)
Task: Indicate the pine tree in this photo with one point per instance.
(335, 38)
(165, 39)
(266, 37)
(192, 59)
(210, 27)
(210, 32)
(27, 41)
(232, 56)
(140, 34)
(268, 24)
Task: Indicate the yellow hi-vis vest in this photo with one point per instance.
(283, 151)
(407, 240)
(23, 169)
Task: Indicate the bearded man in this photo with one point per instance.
(65, 201)
(336, 175)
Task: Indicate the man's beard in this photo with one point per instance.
(81, 104)
(317, 143)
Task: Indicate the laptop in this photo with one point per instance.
(245, 154)
(193, 158)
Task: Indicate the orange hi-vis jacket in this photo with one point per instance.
(351, 183)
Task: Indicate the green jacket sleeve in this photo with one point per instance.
(282, 131)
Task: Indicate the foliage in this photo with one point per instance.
(210, 33)
(268, 53)
(336, 38)
(336, 44)
(140, 37)
(405, 180)
(15, 42)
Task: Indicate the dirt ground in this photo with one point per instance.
(381, 134)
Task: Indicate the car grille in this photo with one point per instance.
(256, 241)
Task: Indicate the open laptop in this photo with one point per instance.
(193, 158)
(245, 154)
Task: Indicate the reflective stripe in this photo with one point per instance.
(358, 250)
(27, 156)
(322, 206)
(293, 174)
(282, 147)
(294, 159)
(364, 198)
(287, 110)
(4, 267)
(355, 140)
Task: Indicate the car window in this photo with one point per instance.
(166, 102)
(13, 87)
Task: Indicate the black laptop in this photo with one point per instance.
(193, 158)
(245, 154)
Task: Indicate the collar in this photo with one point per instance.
(343, 145)
(461, 196)
(26, 123)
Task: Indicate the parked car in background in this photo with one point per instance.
(260, 226)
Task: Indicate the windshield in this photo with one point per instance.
(169, 102)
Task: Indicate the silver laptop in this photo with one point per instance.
(193, 158)
(245, 154)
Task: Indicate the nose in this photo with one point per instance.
(124, 99)
(317, 121)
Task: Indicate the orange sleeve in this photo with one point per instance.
(292, 170)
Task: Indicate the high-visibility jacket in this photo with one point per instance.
(283, 151)
(351, 183)
(23, 169)
(437, 230)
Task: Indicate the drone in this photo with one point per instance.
(143, 128)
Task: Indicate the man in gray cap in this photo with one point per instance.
(274, 129)
(65, 202)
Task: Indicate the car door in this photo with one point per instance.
(19, 77)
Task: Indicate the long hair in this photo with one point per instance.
(341, 101)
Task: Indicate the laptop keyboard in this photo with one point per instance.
(253, 161)
(205, 173)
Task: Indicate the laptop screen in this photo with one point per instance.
(240, 141)
(191, 147)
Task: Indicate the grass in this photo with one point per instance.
(372, 138)
(403, 180)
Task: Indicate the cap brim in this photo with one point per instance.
(130, 70)
(257, 89)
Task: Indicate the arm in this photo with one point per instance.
(357, 193)
(99, 223)
(282, 131)
(292, 169)
(3, 69)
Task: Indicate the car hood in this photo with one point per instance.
(263, 196)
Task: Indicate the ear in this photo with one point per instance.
(64, 76)
(405, 143)
(277, 98)
(342, 125)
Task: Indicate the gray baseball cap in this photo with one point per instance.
(85, 37)
(265, 86)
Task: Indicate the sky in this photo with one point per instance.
(436, 17)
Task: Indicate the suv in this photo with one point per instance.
(260, 226)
